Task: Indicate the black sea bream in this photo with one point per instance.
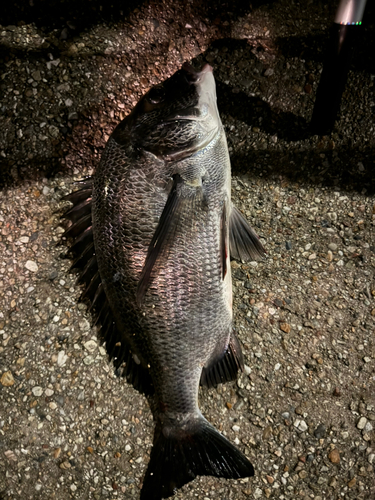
(155, 228)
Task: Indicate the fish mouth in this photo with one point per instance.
(194, 113)
(204, 81)
(193, 75)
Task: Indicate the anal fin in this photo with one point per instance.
(225, 367)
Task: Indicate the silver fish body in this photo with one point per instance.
(163, 228)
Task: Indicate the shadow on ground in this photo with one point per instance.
(74, 16)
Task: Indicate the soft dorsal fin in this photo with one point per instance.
(83, 249)
(244, 243)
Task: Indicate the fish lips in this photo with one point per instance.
(193, 75)
(197, 113)
(206, 94)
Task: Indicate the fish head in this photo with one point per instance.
(175, 118)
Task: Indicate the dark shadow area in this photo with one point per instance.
(74, 16)
(247, 109)
(309, 47)
(339, 169)
(70, 15)
(230, 10)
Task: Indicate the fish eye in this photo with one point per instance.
(156, 94)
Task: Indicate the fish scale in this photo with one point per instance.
(157, 232)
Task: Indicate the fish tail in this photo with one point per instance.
(178, 456)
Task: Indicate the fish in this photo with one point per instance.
(153, 232)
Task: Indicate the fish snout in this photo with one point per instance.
(194, 76)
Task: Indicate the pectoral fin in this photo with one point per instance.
(176, 204)
(243, 241)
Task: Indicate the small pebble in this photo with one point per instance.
(61, 358)
(352, 482)
(90, 345)
(368, 427)
(334, 456)
(65, 465)
(89, 360)
(7, 379)
(285, 327)
(320, 431)
(60, 400)
(36, 75)
(303, 426)
(361, 423)
(257, 493)
(37, 391)
(52, 275)
(31, 266)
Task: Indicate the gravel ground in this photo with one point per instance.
(304, 410)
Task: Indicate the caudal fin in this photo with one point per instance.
(199, 451)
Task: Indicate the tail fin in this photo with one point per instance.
(199, 450)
